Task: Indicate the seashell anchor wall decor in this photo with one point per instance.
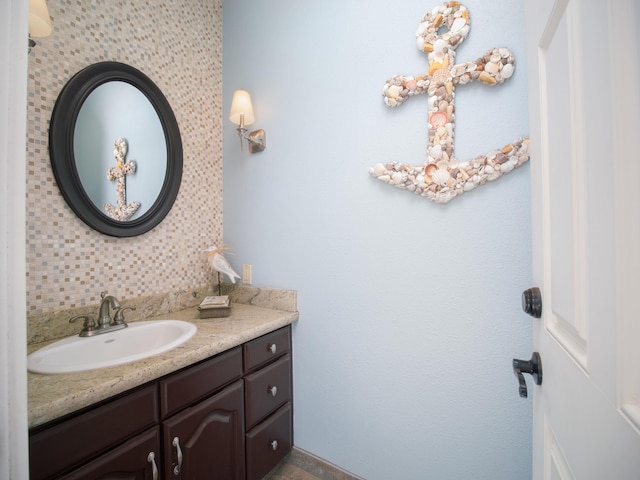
(119, 173)
(443, 177)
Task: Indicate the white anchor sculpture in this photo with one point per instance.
(118, 173)
(443, 177)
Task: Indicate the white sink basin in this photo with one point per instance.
(139, 340)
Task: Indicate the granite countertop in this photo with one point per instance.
(52, 396)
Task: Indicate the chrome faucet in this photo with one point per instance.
(105, 322)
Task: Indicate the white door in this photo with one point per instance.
(584, 97)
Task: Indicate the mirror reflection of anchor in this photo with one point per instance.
(119, 173)
(443, 177)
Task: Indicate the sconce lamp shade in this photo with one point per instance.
(39, 20)
(241, 105)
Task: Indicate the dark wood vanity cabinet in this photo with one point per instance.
(228, 417)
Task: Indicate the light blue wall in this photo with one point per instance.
(410, 311)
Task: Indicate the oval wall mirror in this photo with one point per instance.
(115, 149)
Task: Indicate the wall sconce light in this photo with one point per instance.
(39, 21)
(242, 115)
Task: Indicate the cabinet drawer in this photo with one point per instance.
(269, 442)
(188, 386)
(264, 349)
(91, 433)
(266, 390)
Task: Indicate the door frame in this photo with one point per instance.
(14, 453)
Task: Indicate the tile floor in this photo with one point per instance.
(301, 465)
(291, 472)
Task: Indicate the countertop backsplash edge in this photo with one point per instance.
(45, 327)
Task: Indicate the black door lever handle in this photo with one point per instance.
(533, 367)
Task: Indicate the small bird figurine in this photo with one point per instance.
(219, 263)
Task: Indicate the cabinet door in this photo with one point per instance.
(129, 461)
(206, 441)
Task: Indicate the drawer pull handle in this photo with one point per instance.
(273, 390)
(178, 467)
(154, 468)
(273, 348)
(274, 445)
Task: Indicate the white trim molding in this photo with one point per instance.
(14, 453)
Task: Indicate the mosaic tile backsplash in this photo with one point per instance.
(178, 44)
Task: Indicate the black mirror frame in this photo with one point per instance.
(61, 133)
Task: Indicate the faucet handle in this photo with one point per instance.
(88, 326)
(118, 318)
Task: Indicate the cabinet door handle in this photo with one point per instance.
(154, 468)
(273, 390)
(178, 467)
(273, 348)
(274, 445)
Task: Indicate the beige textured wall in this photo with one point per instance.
(178, 44)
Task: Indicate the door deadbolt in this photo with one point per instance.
(532, 302)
